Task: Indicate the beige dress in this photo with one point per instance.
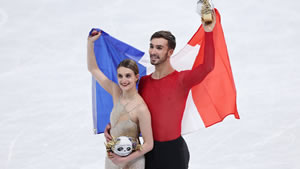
(122, 125)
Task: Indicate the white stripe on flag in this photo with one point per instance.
(191, 119)
(94, 104)
(184, 60)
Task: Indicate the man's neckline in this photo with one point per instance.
(164, 76)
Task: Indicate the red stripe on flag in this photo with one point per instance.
(215, 96)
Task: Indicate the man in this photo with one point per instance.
(165, 92)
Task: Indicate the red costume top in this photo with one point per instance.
(166, 97)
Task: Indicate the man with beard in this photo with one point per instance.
(165, 92)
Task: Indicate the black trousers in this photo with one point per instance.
(172, 154)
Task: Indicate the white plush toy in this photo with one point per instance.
(123, 145)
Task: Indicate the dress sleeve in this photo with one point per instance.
(193, 77)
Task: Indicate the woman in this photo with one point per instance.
(130, 115)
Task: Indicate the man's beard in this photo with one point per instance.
(160, 60)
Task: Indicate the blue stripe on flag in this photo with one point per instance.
(109, 53)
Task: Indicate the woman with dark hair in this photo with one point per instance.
(130, 114)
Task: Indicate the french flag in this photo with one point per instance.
(208, 102)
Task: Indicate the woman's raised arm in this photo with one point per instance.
(106, 83)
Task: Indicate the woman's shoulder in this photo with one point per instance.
(116, 96)
(142, 106)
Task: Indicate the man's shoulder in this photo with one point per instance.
(145, 77)
(143, 81)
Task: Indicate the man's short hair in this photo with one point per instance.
(166, 35)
